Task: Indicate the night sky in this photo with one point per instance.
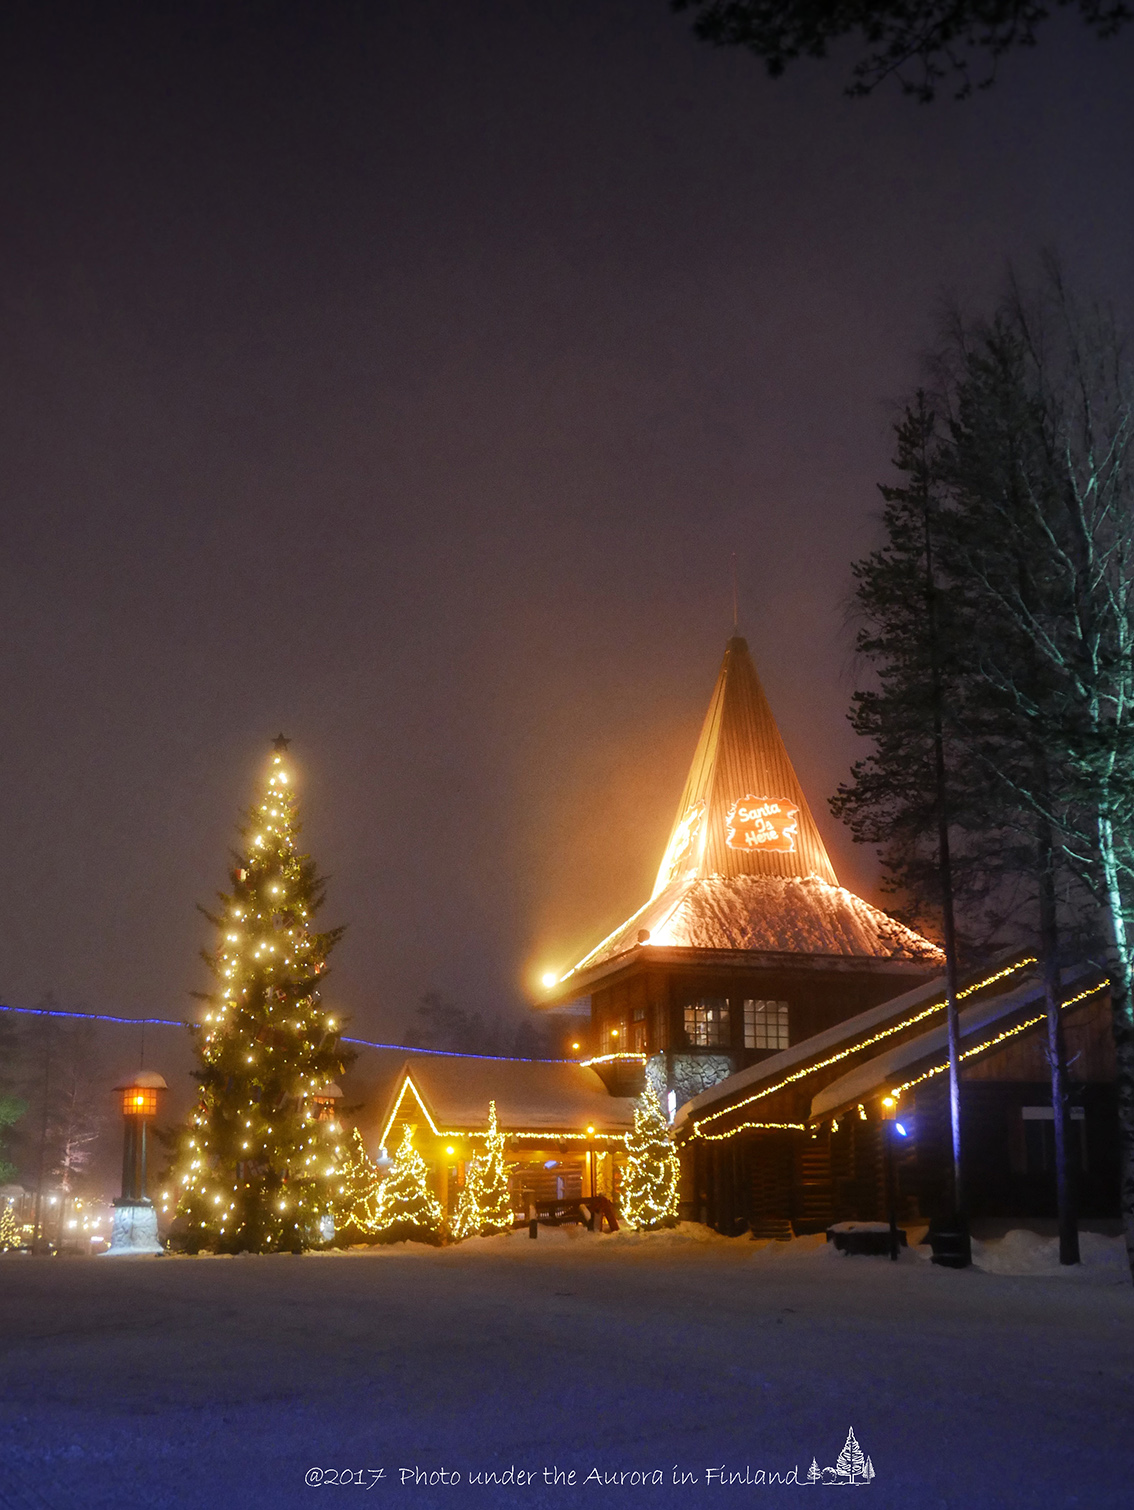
(402, 377)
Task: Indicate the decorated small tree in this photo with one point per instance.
(258, 1165)
(649, 1183)
(850, 1462)
(359, 1196)
(814, 1473)
(9, 1232)
(407, 1209)
(485, 1203)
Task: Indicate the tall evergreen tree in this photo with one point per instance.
(1047, 535)
(995, 462)
(258, 1164)
(1031, 476)
(915, 796)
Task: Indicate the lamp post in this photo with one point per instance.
(325, 1109)
(889, 1118)
(135, 1229)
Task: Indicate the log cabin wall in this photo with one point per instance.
(643, 1011)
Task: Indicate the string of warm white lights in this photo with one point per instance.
(758, 1126)
(990, 1043)
(545, 1134)
(938, 1069)
(856, 1048)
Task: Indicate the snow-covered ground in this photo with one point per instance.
(193, 1382)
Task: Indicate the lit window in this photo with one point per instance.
(707, 1023)
(614, 1037)
(766, 1025)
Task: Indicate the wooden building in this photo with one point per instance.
(799, 1141)
(563, 1128)
(748, 944)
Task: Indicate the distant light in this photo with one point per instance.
(575, 1046)
(550, 979)
(450, 1151)
(901, 1129)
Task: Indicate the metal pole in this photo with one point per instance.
(946, 872)
(891, 1190)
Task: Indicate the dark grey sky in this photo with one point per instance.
(402, 377)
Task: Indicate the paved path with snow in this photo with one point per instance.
(179, 1382)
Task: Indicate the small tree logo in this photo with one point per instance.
(852, 1466)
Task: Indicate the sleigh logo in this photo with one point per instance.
(762, 823)
(682, 851)
(851, 1466)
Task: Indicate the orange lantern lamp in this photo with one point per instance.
(324, 1101)
(139, 1103)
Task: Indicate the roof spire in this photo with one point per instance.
(743, 811)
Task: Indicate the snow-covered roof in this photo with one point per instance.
(530, 1095)
(745, 868)
(884, 1069)
(802, 915)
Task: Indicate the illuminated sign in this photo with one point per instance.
(762, 823)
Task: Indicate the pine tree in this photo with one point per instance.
(485, 1203)
(850, 1461)
(650, 1181)
(9, 1232)
(259, 1162)
(868, 1471)
(359, 1196)
(408, 1209)
(814, 1473)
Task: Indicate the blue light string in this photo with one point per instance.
(366, 1043)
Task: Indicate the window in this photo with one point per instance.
(1039, 1138)
(638, 1031)
(614, 1038)
(766, 1025)
(706, 1022)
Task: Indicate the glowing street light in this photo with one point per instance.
(135, 1228)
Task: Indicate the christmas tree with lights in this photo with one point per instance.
(649, 1182)
(486, 1202)
(359, 1197)
(408, 1209)
(9, 1232)
(259, 1164)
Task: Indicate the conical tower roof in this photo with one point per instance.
(745, 869)
(743, 811)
